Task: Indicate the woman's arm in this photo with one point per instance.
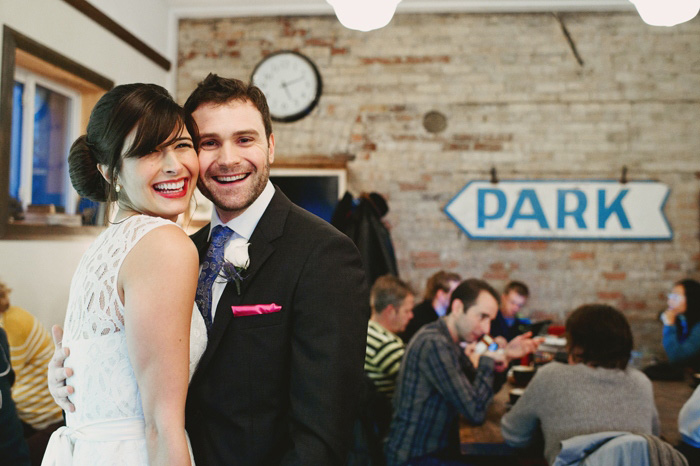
(157, 284)
(680, 353)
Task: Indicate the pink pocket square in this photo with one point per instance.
(255, 309)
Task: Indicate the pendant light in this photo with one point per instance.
(364, 15)
(666, 12)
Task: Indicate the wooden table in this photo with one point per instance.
(489, 433)
(486, 439)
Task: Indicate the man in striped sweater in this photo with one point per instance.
(31, 349)
(391, 301)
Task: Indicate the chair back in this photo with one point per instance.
(604, 449)
(625, 450)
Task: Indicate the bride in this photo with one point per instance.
(133, 336)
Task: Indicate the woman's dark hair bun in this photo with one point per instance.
(84, 175)
(148, 110)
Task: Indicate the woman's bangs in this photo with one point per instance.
(154, 132)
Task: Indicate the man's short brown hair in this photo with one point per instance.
(217, 90)
(519, 287)
(599, 335)
(440, 281)
(469, 290)
(388, 290)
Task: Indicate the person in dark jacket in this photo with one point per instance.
(507, 324)
(438, 290)
(13, 448)
(681, 333)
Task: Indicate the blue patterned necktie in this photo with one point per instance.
(210, 270)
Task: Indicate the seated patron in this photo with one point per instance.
(13, 448)
(595, 392)
(507, 323)
(391, 302)
(681, 334)
(439, 379)
(31, 349)
(689, 427)
(437, 298)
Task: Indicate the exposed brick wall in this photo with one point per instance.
(515, 98)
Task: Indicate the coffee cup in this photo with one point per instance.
(522, 375)
(515, 394)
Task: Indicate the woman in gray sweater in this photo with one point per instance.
(595, 392)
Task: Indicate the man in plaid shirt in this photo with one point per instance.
(439, 379)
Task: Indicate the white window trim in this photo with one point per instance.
(30, 79)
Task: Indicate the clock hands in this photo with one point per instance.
(293, 81)
(284, 86)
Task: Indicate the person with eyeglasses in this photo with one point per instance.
(681, 334)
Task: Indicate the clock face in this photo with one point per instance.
(291, 83)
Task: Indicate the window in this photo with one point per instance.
(316, 190)
(44, 124)
(45, 103)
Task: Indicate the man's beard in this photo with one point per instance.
(255, 189)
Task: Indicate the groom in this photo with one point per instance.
(279, 380)
(279, 387)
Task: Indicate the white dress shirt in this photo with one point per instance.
(242, 227)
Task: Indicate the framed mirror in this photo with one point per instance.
(45, 103)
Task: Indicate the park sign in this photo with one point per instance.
(586, 210)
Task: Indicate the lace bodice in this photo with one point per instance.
(104, 381)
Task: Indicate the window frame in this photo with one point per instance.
(13, 42)
(30, 80)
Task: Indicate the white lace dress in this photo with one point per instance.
(107, 427)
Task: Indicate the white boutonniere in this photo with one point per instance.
(236, 261)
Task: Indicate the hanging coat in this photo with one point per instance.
(361, 221)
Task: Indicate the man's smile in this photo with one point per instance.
(225, 179)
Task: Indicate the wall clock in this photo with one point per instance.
(291, 83)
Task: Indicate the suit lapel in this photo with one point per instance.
(268, 229)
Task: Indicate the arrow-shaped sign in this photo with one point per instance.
(562, 209)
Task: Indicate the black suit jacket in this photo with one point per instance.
(500, 328)
(423, 313)
(283, 387)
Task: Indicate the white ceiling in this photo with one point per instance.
(218, 8)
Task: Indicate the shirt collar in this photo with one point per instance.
(380, 328)
(442, 328)
(439, 312)
(245, 223)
